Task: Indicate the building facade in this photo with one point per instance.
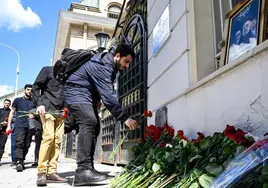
(190, 82)
(185, 73)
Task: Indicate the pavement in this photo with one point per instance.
(10, 178)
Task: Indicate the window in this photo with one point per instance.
(92, 3)
(220, 9)
(114, 11)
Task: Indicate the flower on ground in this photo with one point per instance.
(181, 135)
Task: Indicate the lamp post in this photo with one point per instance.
(18, 67)
(102, 40)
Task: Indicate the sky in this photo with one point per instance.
(30, 27)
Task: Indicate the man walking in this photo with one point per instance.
(83, 89)
(21, 105)
(4, 113)
(49, 98)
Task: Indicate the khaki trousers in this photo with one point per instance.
(53, 129)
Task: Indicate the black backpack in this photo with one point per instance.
(70, 61)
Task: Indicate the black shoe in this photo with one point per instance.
(88, 177)
(19, 167)
(35, 164)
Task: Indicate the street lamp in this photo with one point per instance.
(102, 40)
(18, 67)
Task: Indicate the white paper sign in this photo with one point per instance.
(161, 31)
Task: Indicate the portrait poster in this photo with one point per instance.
(243, 30)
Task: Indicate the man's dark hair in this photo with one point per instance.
(28, 85)
(7, 100)
(124, 50)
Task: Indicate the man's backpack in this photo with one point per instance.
(70, 61)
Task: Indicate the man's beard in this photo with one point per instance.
(118, 65)
(27, 95)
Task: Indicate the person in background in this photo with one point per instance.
(49, 98)
(21, 105)
(4, 113)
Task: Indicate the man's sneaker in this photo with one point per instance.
(88, 177)
(55, 178)
(41, 180)
(19, 167)
(35, 164)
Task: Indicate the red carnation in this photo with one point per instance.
(65, 113)
(8, 132)
(229, 130)
(181, 135)
(162, 144)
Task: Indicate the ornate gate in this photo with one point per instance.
(132, 86)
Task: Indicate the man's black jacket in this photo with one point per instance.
(47, 91)
(4, 113)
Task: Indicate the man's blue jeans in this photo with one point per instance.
(13, 143)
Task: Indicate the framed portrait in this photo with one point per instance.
(242, 29)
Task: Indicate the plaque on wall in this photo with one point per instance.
(161, 117)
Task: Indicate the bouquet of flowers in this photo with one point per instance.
(163, 159)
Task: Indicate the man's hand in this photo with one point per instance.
(131, 124)
(31, 116)
(41, 110)
(8, 129)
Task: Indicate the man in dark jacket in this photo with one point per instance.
(83, 89)
(4, 113)
(49, 98)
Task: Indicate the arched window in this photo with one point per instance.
(114, 11)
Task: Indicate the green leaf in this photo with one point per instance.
(148, 165)
(226, 163)
(152, 152)
(185, 155)
(217, 137)
(167, 155)
(227, 150)
(213, 159)
(156, 167)
(239, 150)
(265, 185)
(195, 157)
(204, 144)
(264, 170)
(197, 172)
(184, 143)
(205, 180)
(214, 169)
(194, 185)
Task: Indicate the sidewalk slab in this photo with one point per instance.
(10, 178)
